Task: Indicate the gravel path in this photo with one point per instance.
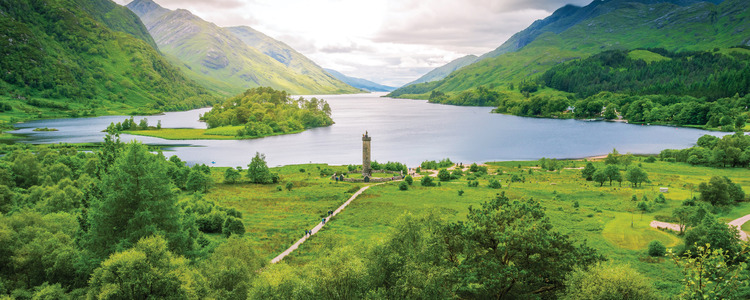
(736, 223)
(320, 225)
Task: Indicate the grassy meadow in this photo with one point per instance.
(604, 217)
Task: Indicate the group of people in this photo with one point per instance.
(309, 232)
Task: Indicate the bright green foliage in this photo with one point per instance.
(139, 202)
(613, 174)
(198, 181)
(27, 169)
(73, 58)
(494, 184)
(729, 151)
(258, 171)
(341, 275)
(511, 251)
(600, 176)
(232, 226)
(232, 175)
(265, 111)
(403, 186)
(588, 172)
(636, 176)
(712, 273)
(608, 281)
(656, 249)
(434, 165)
(408, 179)
(444, 175)
(642, 206)
(612, 158)
(230, 269)
(147, 270)
(427, 181)
(711, 231)
(48, 291)
(720, 190)
(289, 186)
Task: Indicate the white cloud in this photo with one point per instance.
(387, 41)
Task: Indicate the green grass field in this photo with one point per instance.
(605, 217)
(219, 133)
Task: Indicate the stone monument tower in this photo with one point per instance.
(366, 171)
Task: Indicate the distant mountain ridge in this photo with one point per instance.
(577, 32)
(443, 71)
(360, 83)
(221, 61)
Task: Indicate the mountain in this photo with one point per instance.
(578, 32)
(360, 83)
(442, 72)
(284, 54)
(216, 58)
(84, 57)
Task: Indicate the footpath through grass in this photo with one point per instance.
(601, 216)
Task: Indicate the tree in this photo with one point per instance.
(408, 179)
(600, 176)
(198, 181)
(149, 270)
(720, 190)
(232, 226)
(656, 249)
(712, 273)
(711, 231)
(494, 184)
(608, 281)
(258, 171)
(588, 172)
(636, 176)
(511, 250)
(613, 174)
(444, 175)
(427, 181)
(289, 186)
(613, 158)
(231, 268)
(139, 202)
(683, 214)
(232, 175)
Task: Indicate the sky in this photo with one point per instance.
(391, 42)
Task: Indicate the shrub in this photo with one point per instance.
(656, 249)
(408, 179)
(643, 206)
(460, 192)
(650, 159)
(403, 186)
(575, 204)
(494, 184)
(473, 183)
(660, 199)
(427, 181)
(444, 175)
(289, 186)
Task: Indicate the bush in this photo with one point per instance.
(289, 186)
(427, 181)
(494, 184)
(660, 199)
(460, 192)
(656, 249)
(642, 206)
(473, 183)
(444, 175)
(403, 186)
(650, 159)
(408, 179)
(233, 226)
(608, 281)
(575, 204)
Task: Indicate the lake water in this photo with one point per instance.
(408, 131)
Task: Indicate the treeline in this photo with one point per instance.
(264, 111)
(727, 151)
(700, 74)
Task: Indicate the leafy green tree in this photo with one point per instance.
(232, 226)
(408, 179)
(427, 181)
(683, 215)
(139, 202)
(600, 176)
(613, 174)
(711, 231)
(608, 281)
(341, 275)
(48, 291)
(444, 175)
(231, 268)
(711, 272)
(198, 181)
(110, 150)
(588, 172)
(26, 168)
(656, 249)
(289, 186)
(636, 176)
(258, 171)
(148, 270)
(511, 250)
(612, 158)
(494, 184)
(720, 190)
(231, 176)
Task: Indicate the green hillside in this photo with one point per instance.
(442, 72)
(608, 25)
(60, 60)
(286, 55)
(216, 58)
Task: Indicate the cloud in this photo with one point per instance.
(387, 41)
